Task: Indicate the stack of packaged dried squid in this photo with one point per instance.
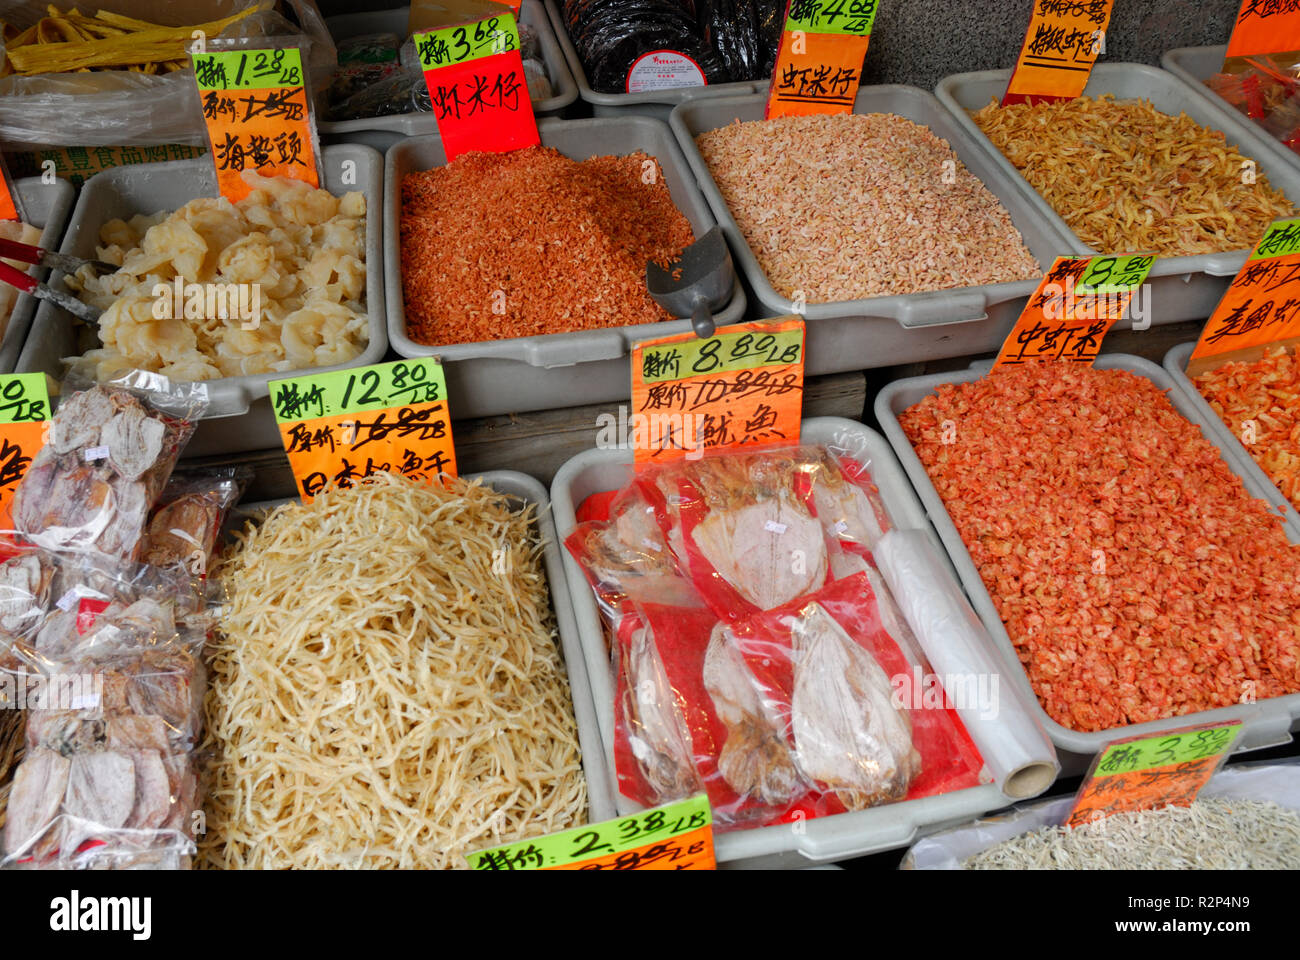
(103, 652)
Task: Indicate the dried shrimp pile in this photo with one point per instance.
(386, 688)
(1128, 178)
(1211, 834)
(861, 205)
(1260, 403)
(1136, 577)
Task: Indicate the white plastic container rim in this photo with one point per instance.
(47, 206)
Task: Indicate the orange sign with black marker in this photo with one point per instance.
(819, 62)
(742, 387)
(1062, 43)
(24, 420)
(1265, 26)
(258, 116)
(8, 196)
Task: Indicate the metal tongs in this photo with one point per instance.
(26, 253)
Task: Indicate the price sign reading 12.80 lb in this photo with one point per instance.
(258, 116)
(341, 427)
(477, 86)
(676, 836)
(24, 419)
(741, 387)
(819, 62)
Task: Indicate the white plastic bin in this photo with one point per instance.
(47, 206)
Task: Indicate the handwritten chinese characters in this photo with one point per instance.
(477, 88)
(819, 63)
(257, 115)
(24, 420)
(339, 428)
(1062, 43)
(742, 387)
(1265, 26)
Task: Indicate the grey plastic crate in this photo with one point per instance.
(658, 104)
(47, 206)
(1267, 722)
(1195, 65)
(1182, 288)
(239, 416)
(820, 839)
(1175, 364)
(519, 374)
(600, 789)
(881, 331)
(563, 90)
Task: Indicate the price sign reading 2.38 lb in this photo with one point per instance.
(676, 836)
(819, 62)
(341, 427)
(743, 386)
(477, 86)
(1145, 773)
(258, 117)
(24, 419)
(1078, 300)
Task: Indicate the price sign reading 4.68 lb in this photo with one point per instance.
(258, 116)
(741, 387)
(1145, 773)
(1078, 300)
(341, 427)
(24, 419)
(477, 87)
(677, 836)
(1063, 41)
(819, 62)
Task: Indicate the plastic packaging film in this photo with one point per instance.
(1016, 749)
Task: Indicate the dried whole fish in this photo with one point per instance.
(755, 760)
(848, 733)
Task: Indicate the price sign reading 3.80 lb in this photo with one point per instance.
(341, 427)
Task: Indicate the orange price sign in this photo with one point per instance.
(741, 387)
(343, 426)
(1265, 26)
(1261, 306)
(819, 62)
(675, 836)
(8, 196)
(1146, 773)
(24, 419)
(1061, 44)
(258, 116)
(1078, 300)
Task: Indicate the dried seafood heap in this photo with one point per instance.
(1128, 178)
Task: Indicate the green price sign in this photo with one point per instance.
(852, 17)
(1122, 274)
(1168, 750)
(248, 69)
(448, 45)
(378, 387)
(674, 836)
(24, 398)
(1281, 239)
(723, 353)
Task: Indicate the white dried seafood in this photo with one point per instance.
(771, 551)
(134, 442)
(659, 740)
(848, 733)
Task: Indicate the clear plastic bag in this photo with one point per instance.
(1266, 91)
(108, 456)
(185, 525)
(116, 108)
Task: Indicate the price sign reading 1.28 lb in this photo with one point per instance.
(1062, 43)
(477, 86)
(740, 387)
(1145, 773)
(258, 117)
(341, 427)
(24, 416)
(1078, 300)
(677, 836)
(819, 63)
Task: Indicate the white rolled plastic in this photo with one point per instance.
(1016, 749)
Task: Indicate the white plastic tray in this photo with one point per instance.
(47, 206)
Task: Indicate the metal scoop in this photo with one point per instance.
(707, 276)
